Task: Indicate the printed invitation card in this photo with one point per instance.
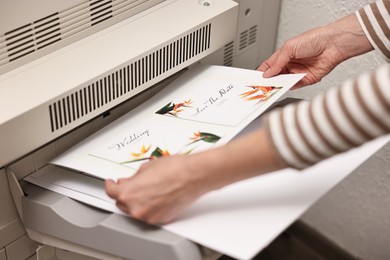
(204, 107)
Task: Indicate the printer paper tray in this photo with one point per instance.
(57, 215)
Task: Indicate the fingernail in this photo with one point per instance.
(267, 72)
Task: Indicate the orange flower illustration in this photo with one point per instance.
(165, 152)
(141, 156)
(196, 136)
(263, 92)
(180, 107)
(144, 150)
(158, 152)
(203, 136)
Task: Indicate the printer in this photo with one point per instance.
(69, 68)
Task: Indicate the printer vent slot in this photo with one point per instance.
(247, 38)
(65, 25)
(100, 11)
(31, 37)
(252, 35)
(228, 54)
(103, 91)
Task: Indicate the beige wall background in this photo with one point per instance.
(356, 213)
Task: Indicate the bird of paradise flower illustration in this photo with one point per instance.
(203, 136)
(260, 93)
(158, 152)
(142, 155)
(174, 109)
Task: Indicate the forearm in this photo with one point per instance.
(333, 122)
(245, 157)
(348, 37)
(361, 32)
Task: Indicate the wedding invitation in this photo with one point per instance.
(206, 106)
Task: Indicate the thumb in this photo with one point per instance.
(275, 64)
(111, 188)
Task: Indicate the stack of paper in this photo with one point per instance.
(207, 106)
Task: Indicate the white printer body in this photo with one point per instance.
(67, 69)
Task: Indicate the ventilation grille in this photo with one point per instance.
(121, 82)
(29, 38)
(247, 38)
(228, 54)
(46, 31)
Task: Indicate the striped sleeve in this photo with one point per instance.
(338, 120)
(375, 21)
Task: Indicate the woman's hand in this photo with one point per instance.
(318, 51)
(158, 191)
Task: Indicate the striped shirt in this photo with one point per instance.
(344, 117)
(375, 21)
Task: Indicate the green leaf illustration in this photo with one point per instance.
(135, 160)
(167, 108)
(158, 152)
(210, 138)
